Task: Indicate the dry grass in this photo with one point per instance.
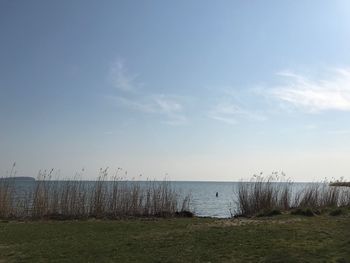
(263, 194)
(7, 194)
(273, 194)
(112, 197)
(107, 197)
(322, 195)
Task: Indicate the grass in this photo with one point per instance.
(108, 197)
(266, 195)
(283, 238)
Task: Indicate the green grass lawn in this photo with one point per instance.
(280, 239)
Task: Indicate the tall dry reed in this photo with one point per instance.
(266, 194)
(107, 197)
(263, 194)
(6, 194)
(321, 195)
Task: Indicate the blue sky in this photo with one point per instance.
(190, 90)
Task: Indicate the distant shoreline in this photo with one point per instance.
(18, 178)
(347, 184)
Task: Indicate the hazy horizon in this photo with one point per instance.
(187, 90)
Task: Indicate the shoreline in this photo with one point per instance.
(341, 184)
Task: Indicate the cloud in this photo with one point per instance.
(167, 104)
(339, 132)
(120, 78)
(176, 120)
(314, 95)
(310, 127)
(169, 107)
(134, 104)
(230, 113)
(132, 96)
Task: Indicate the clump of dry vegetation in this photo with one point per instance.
(263, 194)
(107, 197)
(273, 194)
(6, 194)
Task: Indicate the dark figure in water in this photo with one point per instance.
(217, 194)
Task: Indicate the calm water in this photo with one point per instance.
(203, 196)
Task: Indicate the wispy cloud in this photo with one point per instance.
(134, 104)
(169, 107)
(131, 95)
(230, 113)
(121, 78)
(315, 95)
(167, 103)
(339, 132)
(310, 127)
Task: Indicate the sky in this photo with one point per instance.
(183, 90)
